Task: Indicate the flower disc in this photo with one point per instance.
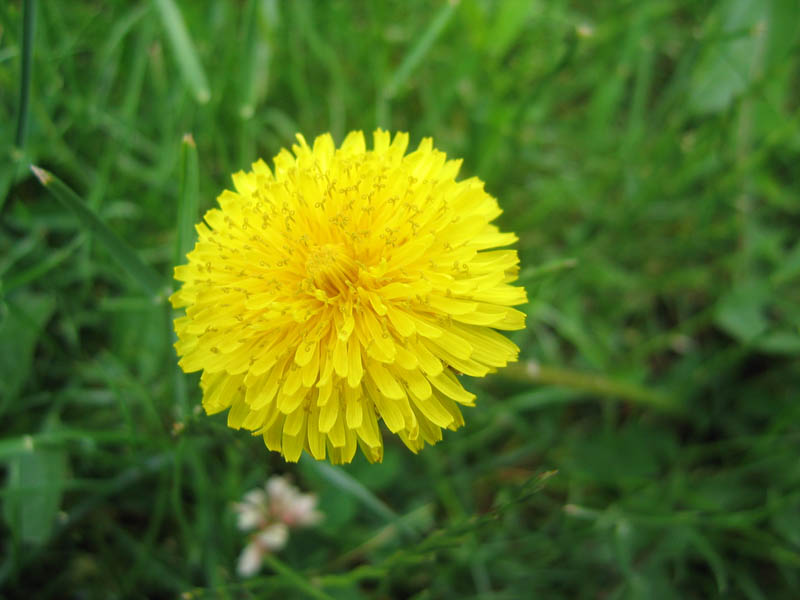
(346, 287)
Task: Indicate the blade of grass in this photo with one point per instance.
(187, 217)
(50, 262)
(533, 372)
(86, 438)
(143, 274)
(348, 484)
(419, 519)
(530, 274)
(254, 75)
(337, 93)
(185, 53)
(187, 202)
(419, 50)
(12, 172)
(299, 581)
(28, 23)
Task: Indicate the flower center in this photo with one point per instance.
(331, 269)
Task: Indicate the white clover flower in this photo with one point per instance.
(271, 539)
(270, 513)
(288, 505)
(252, 512)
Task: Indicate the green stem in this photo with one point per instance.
(128, 259)
(28, 22)
(414, 57)
(187, 203)
(533, 372)
(300, 581)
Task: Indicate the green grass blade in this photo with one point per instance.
(11, 172)
(254, 76)
(188, 200)
(50, 262)
(185, 53)
(28, 23)
(591, 383)
(143, 274)
(348, 484)
(187, 217)
(531, 274)
(419, 50)
(298, 580)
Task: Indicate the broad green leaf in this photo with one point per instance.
(789, 268)
(740, 312)
(33, 493)
(733, 54)
(19, 331)
(780, 342)
(784, 28)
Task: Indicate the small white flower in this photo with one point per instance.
(271, 512)
(250, 560)
(287, 504)
(252, 512)
(248, 516)
(301, 513)
(273, 537)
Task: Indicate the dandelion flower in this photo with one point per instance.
(345, 287)
(271, 512)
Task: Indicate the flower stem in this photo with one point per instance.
(297, 579)
(28, 20)
(142, 273)
(532, 372)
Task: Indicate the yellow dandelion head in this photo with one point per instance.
(345, 287)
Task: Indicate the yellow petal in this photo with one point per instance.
(433, 410)
(340, 358)
(451, 387)
(354, 368)
(328, 414)
(385, 381)
(316, 441)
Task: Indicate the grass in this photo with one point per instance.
(645, 152)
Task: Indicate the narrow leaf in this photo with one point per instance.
(531, 274)
(34, 489)
(28, 314)
(187, 207)
(299, 581)
(143, 274)
(592, 383)
(254, 75)
(184, 50)
(28, 22)
(419, 50)
(351, 486)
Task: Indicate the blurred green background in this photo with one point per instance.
(647, 155)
